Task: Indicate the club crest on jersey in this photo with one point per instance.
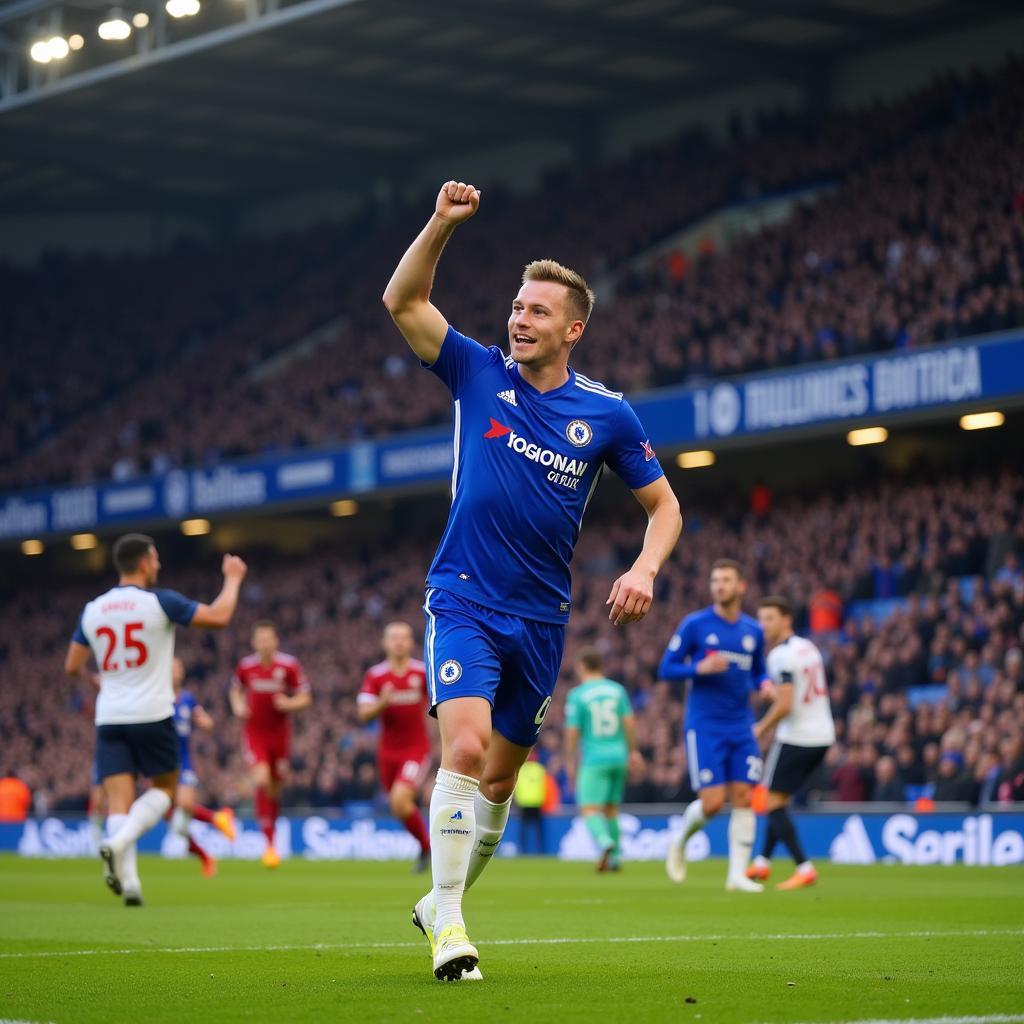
(579, 433)
(278, 674)
(749, 643)
(450, 672)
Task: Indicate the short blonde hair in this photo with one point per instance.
(580, 295)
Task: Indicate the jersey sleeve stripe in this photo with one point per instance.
(455, 446)
(598, 390)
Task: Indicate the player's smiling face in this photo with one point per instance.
(541, 329)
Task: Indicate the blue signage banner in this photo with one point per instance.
(985, 839)
(759, 405)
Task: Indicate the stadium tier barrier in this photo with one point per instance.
(952, 377)
(989, 838)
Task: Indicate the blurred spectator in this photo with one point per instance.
(15, 800)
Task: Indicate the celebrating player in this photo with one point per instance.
(532, 437)
(130, 629)
(805, 730)
(599, 721)
(267, 687)
(721, 652)
(396, 690)
(190, 715)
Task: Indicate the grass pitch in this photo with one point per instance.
(332, 941)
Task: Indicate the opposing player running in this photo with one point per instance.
(267, 688)
(804, 730)
(190, 715)
(720, 652)
(532, 437)
(600, 724)
(130, 629)
(395, 690)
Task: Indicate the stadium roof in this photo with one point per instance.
(259, 99)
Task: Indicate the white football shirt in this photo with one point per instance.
(131, 633)
(809, 722)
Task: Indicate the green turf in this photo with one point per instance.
(953, 945)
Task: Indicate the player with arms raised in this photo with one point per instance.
(130, 629)
(720, 652)
(804, 730)
(532, 437)
(267, 688)
(395, 690)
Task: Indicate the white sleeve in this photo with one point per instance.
(780, 664)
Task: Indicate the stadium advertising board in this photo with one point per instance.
(987, 839)
(954, 375)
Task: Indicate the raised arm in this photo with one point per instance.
(407, 296)
(633, 591)
(220, 611)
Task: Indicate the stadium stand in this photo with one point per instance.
(926, 667)
(917, 239)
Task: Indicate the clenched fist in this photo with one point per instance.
(457, 201)
(233, 568)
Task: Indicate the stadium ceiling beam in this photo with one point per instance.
(278, 17)
(470, 64)
(276, 92)
(656, 40)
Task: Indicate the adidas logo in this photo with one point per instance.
(457, 816)
(712, 638)
(508, 396)
(852, 845)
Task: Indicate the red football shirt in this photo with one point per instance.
(404, 720)
(261, 682)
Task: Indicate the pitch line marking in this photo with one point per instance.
(557, 941)
(991, 1018)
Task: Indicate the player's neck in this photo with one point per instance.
(136, 579)
(267, 659)
(729, 612)
(544, 378)
(398, 665)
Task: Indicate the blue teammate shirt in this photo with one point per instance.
(526, 464)
(184, 709)
(722, 698)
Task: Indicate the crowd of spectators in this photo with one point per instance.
(924, 654)
(919, 240)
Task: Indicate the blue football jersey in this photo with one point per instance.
(526, 464)
(723, 697)
(184, 709)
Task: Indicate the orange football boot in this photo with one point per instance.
(799, 879)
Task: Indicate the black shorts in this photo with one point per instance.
(787, 767)
(143, 748)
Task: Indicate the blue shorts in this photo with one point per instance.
(513, 663)
(144, 748)
(722, 754)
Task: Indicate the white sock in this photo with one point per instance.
(491, 820)
(180, 821)
(452, 836)
(742, 826)
(143, 815)
(805, 866)
(115, 822)
(693, 819)
(130, 869)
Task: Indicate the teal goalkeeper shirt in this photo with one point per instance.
(597, 708)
